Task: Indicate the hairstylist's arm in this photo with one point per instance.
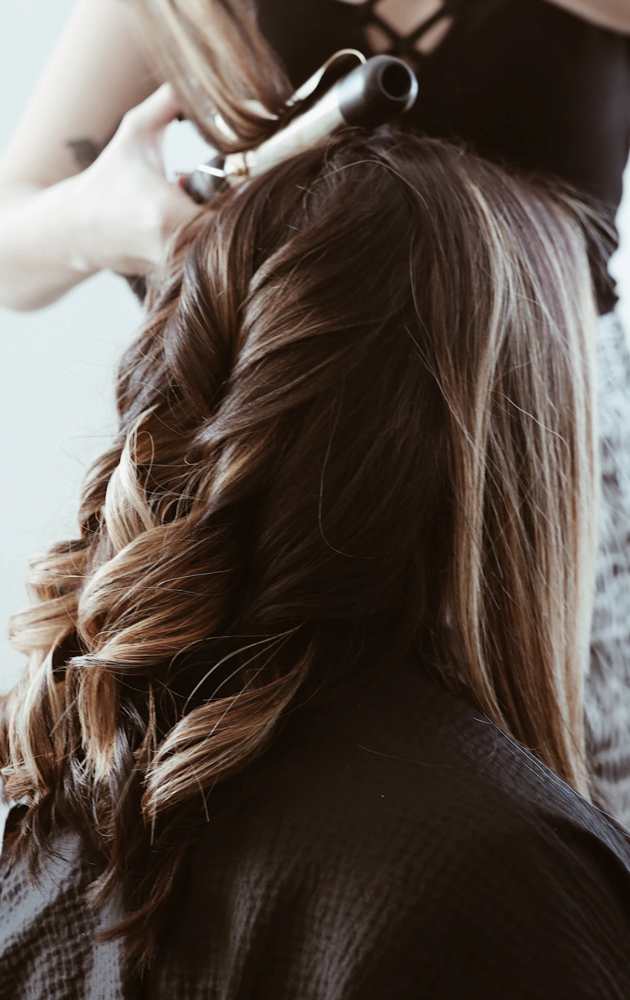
(74, 200)
(612, 14)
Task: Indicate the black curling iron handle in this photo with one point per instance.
(206, 181)
(376, 92)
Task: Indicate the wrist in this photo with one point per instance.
(72, 226)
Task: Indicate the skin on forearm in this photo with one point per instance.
(119, 213)
(39, 257)
(86, 150)
(99, 70)
(612, 14)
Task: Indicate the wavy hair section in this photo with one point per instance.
(356, 425)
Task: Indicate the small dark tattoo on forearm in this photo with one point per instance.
(85, 151)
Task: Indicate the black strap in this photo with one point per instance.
(404, 45)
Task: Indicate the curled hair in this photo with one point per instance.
(356, 426)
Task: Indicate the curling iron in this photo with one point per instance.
(374, 92)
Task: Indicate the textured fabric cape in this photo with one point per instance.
(392, 843)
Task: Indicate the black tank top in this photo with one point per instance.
(521, 81)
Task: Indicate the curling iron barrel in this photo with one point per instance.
(373, 93)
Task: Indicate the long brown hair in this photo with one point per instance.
(220, 62)
(356, 426)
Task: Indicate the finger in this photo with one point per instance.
(153, 115)
(147, 123)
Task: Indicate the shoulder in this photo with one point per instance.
(395, 819)
(469, 839)
(397, 734)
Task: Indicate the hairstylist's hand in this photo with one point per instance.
(126, 210)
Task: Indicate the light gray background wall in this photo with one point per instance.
(57, 365)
